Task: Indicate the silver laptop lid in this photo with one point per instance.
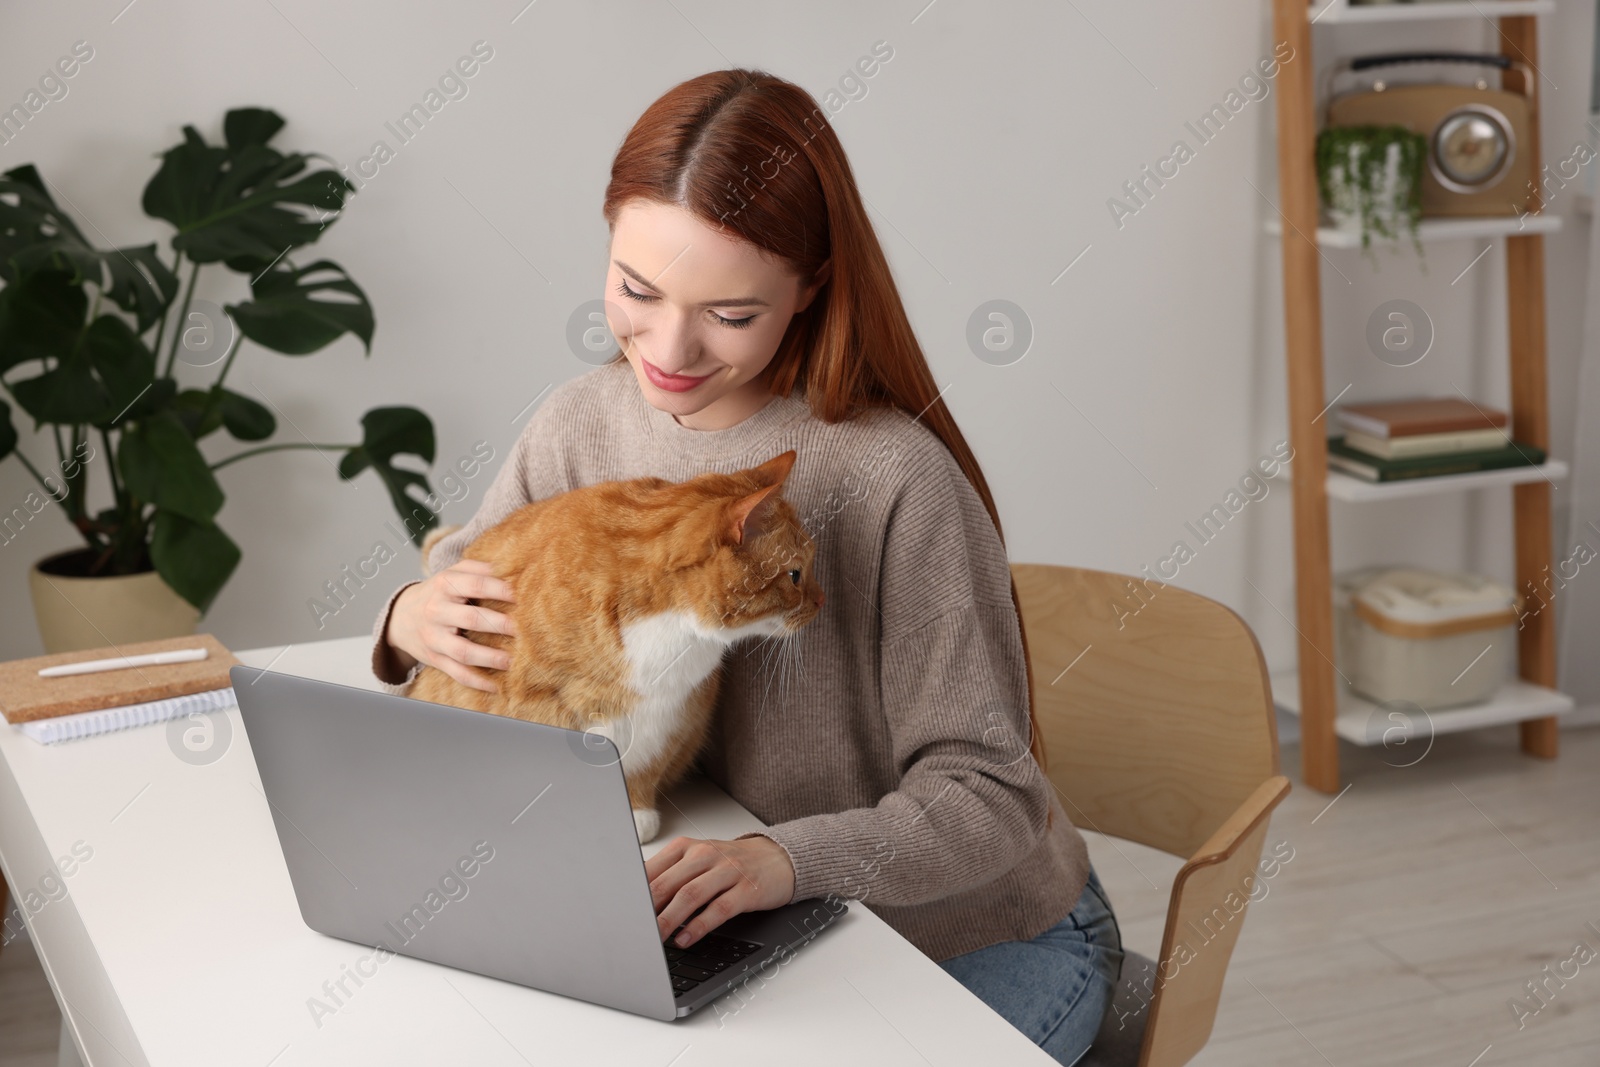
(481, 842)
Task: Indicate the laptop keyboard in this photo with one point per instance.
(705, 959)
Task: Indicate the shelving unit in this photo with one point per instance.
(1327, 710)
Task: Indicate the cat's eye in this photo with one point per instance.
(794, 576)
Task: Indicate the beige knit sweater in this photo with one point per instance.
(891, 758)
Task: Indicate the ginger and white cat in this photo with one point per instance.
(627, 595)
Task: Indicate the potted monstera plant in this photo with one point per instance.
(93, 343)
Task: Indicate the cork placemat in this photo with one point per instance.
(24, 696)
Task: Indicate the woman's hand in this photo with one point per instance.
(426, 617)
(728, 877)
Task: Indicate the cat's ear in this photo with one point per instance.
(748, 515)
(775, 470)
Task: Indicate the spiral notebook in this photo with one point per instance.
(90, 723)
(65, 708)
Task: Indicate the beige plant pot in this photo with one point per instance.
(75, 613)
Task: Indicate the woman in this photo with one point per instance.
(895, 758)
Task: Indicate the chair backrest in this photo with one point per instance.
(1153, 701)
(1159, 728)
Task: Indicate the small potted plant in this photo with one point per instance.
(1370, 178)
(90, 340)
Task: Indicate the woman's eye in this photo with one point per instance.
(738, 324)
(794, 576)
(622, 287)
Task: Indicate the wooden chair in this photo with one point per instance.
(1159, 728)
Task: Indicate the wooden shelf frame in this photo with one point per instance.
(1302, 296)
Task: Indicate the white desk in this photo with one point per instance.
(179, 941)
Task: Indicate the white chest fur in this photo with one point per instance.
(669, 655)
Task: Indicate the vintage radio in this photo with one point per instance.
(1479, 158)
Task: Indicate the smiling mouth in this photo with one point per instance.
(676, 383)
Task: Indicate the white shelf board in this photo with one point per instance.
(1436, 230)
(1346, 487)
(1362, 722)
(1342, 11)
(1342, 486)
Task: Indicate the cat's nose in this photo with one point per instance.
(819, 599)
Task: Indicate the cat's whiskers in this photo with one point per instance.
(794, 659)
(799, 661)
(790, 653)
(772, 656)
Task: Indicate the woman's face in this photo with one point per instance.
(698, 313)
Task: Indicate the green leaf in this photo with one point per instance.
(291, 312)
(250, 125)
(106, 376)
(91, 374)
(26, 211)
(245, 418)
(161, 465)
(41, 316)
(66, 393)
(139, 282)
(194, 558)
(159, 397)
(386, 433)
(28, 174)
(200, 417)
(133, 278)
(178, 191)
(36, 235)
(127, 368)
(390, 432)
(8, 432)
(243, 201)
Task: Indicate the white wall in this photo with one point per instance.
(988, 148)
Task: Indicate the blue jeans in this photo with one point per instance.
(1055, 988)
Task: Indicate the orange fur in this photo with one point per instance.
(627, 594)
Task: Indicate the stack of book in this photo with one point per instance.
(1425, 438)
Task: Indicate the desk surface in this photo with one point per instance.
(178, 940)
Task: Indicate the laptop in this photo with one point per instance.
(486, 843)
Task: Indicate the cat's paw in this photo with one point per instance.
(647, 821)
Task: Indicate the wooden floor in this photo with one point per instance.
(1415, 908)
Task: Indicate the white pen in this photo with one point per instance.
(117, 663)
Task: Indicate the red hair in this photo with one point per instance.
(756, 156)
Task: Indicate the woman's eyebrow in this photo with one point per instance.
(749, 301)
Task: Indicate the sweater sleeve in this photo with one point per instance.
(534, 470)
(971, 802)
